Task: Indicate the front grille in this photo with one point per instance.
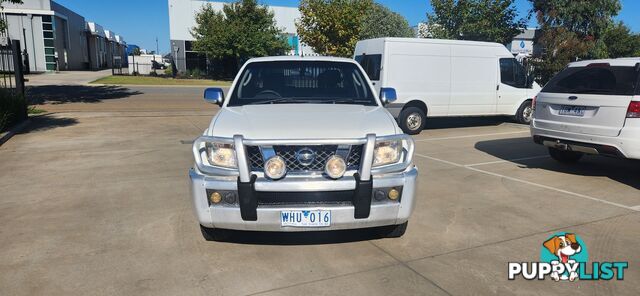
(276, 198)
(288, 153)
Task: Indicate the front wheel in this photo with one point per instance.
(395, 231)
(412, 120)
(567, 157)
(525, 113)
(214, 235)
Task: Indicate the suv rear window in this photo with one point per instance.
(599, 79)
(371, 65)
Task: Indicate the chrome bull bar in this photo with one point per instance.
(243, 170)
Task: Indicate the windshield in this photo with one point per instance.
(300, 82)
(598, 79)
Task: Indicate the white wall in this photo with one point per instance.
(182, 17)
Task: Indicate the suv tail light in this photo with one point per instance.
(634, 110)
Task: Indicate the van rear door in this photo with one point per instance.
(589, 100)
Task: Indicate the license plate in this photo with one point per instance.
(572, 111)
(312, 218)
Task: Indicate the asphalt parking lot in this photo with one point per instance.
(95, 201)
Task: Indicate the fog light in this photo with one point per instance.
(394, 194)
(336, 167)
(275, 168)
(230, 198)
(215, 197)
(380, 195)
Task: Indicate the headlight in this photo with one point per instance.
(387, 153)
(222, 155)
(336, 167)
(275, 168)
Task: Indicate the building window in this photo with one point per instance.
(48, 31)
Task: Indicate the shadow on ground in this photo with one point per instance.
(302, 238)
(47, 122)
(624, 171)
(60, 94)
(460, 122)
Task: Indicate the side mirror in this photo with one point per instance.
(214, 95)
(388, 96)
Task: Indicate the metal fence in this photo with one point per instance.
(11, 73)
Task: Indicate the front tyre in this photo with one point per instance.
(214, 235)
(412, 120)
(525, 113)
(395, 231)
(567, 157)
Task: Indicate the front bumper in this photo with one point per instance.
(343, 216)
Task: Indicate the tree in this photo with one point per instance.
(380, 21)
(620, 42)
(332, 27)
(3, 25)
(480, 20)
(136, 51)
(571, 30)
(244, 29)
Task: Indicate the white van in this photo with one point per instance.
(435, 78)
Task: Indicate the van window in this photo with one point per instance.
(598, 79)
(371, 64)
(513, 73)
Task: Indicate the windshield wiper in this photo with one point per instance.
(344, 101)
(278, 101)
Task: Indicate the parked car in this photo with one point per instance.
(302, 144)
(591, 107)
(436, 78)
(157, 66)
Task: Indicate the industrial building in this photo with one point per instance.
(182, 19)
(54, 38)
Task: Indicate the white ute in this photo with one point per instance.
(302, 144)
(591, 107)
(439, 78)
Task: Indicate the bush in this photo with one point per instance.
(195, 74)
(13, 109)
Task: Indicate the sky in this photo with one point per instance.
(141, 21)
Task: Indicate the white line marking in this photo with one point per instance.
(531, 183)
(508, 160)
(471, 136)
(637, 208)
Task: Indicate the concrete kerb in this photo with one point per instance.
(5, 136)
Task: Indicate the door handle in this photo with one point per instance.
(573, 98)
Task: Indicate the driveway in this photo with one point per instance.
(65, 77)
(95, 200)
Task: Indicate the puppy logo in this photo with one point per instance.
(563, 249)
(564, 257)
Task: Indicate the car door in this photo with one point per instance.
(512, 86)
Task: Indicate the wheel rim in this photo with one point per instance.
(527, 114)
(414, 121)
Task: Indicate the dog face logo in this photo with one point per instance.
(564, 251)
(563, 246)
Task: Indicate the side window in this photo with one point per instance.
(371, 64)
(512, 73)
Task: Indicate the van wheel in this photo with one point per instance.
(525, 113)
(567, 157)
(214, 235)
(412, 120)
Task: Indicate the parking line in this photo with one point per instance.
(508, 160)
(637, 208)
(471, 136)
(531, 183)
